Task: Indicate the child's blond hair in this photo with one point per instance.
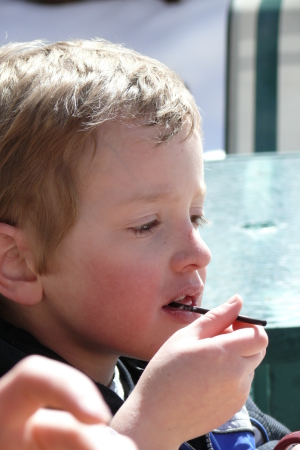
(52, 97)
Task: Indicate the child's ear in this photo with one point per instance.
(18, 280)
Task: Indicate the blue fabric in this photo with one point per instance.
(242, 440)
(261, 428)
(184, 446)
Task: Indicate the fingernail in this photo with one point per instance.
(233, 299)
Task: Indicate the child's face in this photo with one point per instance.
(135, 247)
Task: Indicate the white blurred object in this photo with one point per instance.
(214, 155)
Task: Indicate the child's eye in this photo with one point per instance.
(199, 221)
(145, 229)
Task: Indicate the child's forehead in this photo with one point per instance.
(112, 141)
(119, 134)
(116, 143)
(127, 158)
(119, 137)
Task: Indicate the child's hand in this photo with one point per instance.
(197, 381)
(37, 382)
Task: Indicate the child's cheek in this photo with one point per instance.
(117, 279)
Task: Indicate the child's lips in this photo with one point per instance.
(187, 299)
(190, 294)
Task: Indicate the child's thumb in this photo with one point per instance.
(218, 319)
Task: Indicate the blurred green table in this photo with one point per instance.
(253, 203)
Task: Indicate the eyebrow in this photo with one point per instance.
(159, 196)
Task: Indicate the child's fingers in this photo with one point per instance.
(39, 382)
(237, 325)
(218, 319)
(48, 430)
(249, 341)
(256, 359)
(245, 342)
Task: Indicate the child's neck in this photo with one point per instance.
(99, 368)
(98, 365)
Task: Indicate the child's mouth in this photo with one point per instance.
(183, 300)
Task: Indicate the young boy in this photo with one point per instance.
(102, 194)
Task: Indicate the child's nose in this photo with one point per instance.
(192, 254)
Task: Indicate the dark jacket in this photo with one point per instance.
(16, 344)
